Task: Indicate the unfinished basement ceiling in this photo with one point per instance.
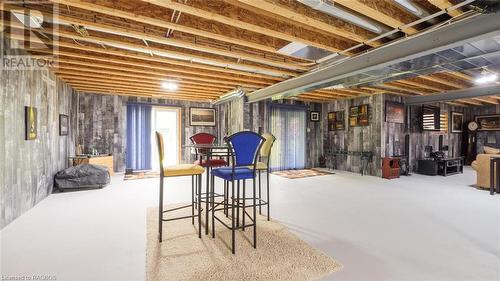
(211, 47)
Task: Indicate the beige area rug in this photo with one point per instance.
(280, 255)
(304, 173)
(141, 175)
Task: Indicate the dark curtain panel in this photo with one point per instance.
(288, 125)
(139, 136)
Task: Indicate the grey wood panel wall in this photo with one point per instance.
(255, 117)
(103, 124)
(484, 138)
(362, 138)
(27, 167)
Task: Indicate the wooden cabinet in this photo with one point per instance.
(103, 160)
(390, 167)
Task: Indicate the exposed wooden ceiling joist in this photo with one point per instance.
(288, 35)
(304, 18)
(393, 20)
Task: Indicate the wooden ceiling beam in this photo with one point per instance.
(130, 54)
(160, 23)
(99, 71)
(444, 5)
(376, 14)
(286, 12)
(147, 92)
(135, 94)
(139, 87)
(292, 36)
(136, 82)
(60, 53)
(165, 75)
(91, 74)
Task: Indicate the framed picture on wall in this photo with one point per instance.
(63, 125)
(488, 122)
(394, 112)
(314, 116)
(457, 122)
(201, 116)
(30, 122)
(359, 115)
(336, 121)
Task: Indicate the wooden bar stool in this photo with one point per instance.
(178, 171)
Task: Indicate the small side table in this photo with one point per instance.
(494, 178)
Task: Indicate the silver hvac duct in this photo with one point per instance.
(415, 9)
(338, 12)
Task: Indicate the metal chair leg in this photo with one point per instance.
(254, 216)
(213, 203)
(268, 200)
(192, 198)
(238, 205)
(160, 211)
(260, 196)
(232, 219)
(207, 198)
(199, 205)
(244, 197)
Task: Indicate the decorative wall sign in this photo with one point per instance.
(359, 115)
(199, 116)
(30, 122)
(457, 122)
(314, 116)
(394, 112)
(488, 122)
(63, 125)
(336, 121)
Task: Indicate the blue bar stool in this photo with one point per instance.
(244, 147)
(178, 171)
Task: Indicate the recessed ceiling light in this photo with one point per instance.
(487, 78)
(169, 85)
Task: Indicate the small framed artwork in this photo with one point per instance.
(331, 121)
(340, 124)
(63, 125)
(457, 122)
(201, 116)
(30, 122)
(353, 116)
(314, 116)
(488, 122)
(363, 115)
(336, 121)
(394, 112)
(359, 115)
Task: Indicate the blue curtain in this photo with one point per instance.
(288, 125)
(139, 136)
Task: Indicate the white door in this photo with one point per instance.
(166, 121)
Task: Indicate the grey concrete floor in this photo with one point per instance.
(412, 228)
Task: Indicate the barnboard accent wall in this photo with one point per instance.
(394, 134)
(255, 117)
(361, 138)
(27, 168)
(484, 138)
(103, 124)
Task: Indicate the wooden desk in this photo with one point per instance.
(103, 160)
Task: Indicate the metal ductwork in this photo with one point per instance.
(338, 12)
(475, 92)
(447, 48)
(415, 9)
(234, 94)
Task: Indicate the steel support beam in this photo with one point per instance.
(471, 29)
(454, 95)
